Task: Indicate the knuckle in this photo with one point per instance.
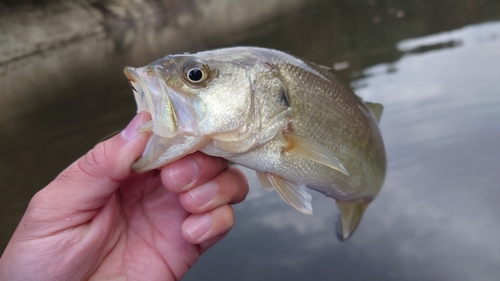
(212, 164)
(229, 217)
(221, 163)
(240, 186)
(96, 160)
(39, 211)
(37, 200)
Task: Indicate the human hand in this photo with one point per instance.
(98, 220)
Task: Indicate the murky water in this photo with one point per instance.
(434, 65)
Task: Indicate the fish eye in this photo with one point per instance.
(195, 72)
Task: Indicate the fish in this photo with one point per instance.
(290, 120)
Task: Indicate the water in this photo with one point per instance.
(433, 65)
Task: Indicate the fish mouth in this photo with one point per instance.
(138, 87)
(150, 97)
(172, 113)
(173, 119)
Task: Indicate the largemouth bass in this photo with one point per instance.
(289, 120)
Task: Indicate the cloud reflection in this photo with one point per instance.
(437, 217)
(439, 128)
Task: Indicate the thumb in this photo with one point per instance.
(89, 183)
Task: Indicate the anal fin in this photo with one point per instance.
(264, 180)
(293, 194)
(350, 215)
(303, 147)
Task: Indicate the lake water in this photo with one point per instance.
(434, 65)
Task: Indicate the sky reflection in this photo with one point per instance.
(437, 217)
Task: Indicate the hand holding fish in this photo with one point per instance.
(99, 220)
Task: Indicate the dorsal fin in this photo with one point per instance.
(375, 109)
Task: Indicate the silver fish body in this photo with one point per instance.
(289, 120)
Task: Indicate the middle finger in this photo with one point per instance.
(230, 186)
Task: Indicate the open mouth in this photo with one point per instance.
(173, 127)
(172, 112)
(153, 96)
(141, 97)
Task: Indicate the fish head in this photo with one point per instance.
(192, 95)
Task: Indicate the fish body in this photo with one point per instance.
(289, 120)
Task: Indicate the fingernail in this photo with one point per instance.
(183, 172)
(204, 193)
(131, 131)
(198, 226)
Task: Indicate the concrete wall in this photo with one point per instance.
(45, 47)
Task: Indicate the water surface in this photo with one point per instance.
(434, 65)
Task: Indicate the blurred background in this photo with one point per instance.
(433, 64)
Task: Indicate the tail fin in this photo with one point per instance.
(350, 216)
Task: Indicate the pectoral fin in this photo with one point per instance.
(350, 215)
(293, 194)
(303, 147)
